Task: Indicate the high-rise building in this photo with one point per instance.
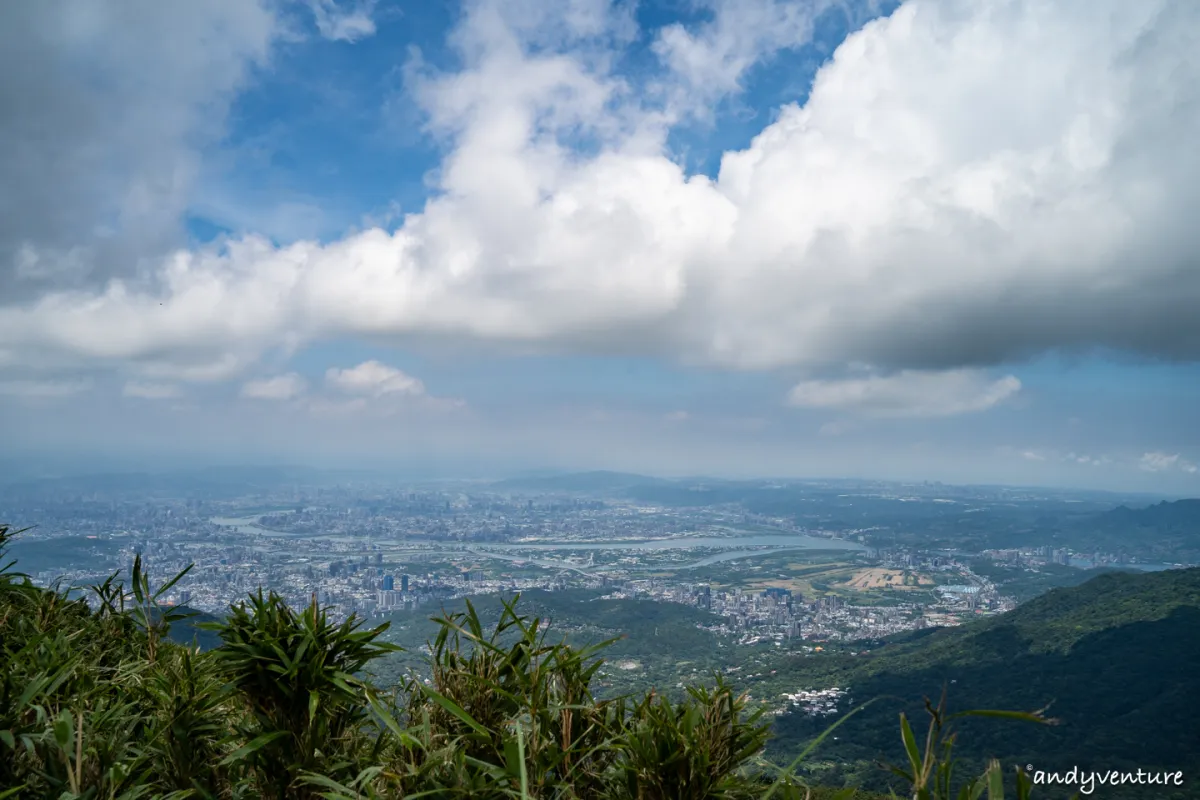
(389, 583)
(404, 583)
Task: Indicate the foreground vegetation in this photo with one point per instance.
(97, 702)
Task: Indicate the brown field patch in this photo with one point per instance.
(794, 585)
(803, 584)
(880, 578)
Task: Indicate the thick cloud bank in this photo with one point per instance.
(968, 183)
(103, 110)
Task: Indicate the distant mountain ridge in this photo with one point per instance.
(218, 481)
(597, 481)
(1184, 514)
(1166, 529)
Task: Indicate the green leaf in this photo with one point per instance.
(456, 710)
(404, 736)
(1024, 716)
(338, 791)
(521, 762)
(252, 746)
(64, 730)
(973, 791)
(910, 748)
(995, 781)
(166, 586)
(1025, 785)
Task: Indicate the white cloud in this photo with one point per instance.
(677, 416)
(280, 387)
(106, 109)
(1095, 461)
(374, 379)
(152, 391)
(710, 61)
(1057, 456)
(191, 367)
(937, 204)
(907, 393)
(348, 22)
(1159, 461)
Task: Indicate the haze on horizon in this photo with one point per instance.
(949, 241)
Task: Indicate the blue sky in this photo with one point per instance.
(762, 237)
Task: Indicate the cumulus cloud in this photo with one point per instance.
(374, 379)
(152, 391)
(280, 387)
(710, 60)
(105, 109)
(907, 393)
(347, 22)
(937, 205)
(377, 390)
(191, 364)
(1159, 461)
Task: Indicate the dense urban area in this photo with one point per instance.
(377, 551)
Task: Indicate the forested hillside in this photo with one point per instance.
(1115, 661)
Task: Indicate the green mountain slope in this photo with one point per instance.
(188, 631)
(1170, 531)
(1117, 660)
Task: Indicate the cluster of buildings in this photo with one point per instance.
(1045, 554)
(475, 519)
(777, 614)
(813, 702)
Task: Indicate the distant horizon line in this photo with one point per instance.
(410, 475)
